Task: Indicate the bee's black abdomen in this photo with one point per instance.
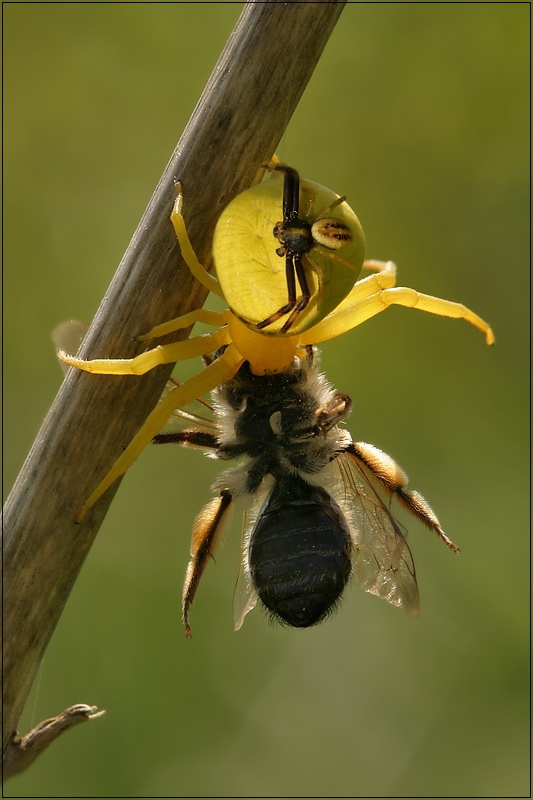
(299, 552)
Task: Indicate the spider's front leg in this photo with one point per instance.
(220, 371)
(187, 251)
(143, 363)
(376, 293)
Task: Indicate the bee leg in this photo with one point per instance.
(333, 412)
(200, 439)
(387, 471)
(207, 533)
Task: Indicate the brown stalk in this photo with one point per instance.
(236, 126)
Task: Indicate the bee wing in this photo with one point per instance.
(68, 336)
(245, 597)
(244, 600)
(383, 564)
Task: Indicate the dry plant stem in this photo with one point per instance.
(236, 126)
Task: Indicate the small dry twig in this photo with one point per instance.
(22, 752)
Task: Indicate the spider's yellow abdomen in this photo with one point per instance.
(251, 273)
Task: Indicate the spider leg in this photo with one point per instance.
(215, 318)
(369, 297)
(164, 354)
(189, 256)
(305, 296)
(384, 278)
(216, 373)
(206, 534)
(290, 275)
(291, 188)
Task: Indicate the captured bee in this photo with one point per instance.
(317, 501)
(252, 330)
(319, 505)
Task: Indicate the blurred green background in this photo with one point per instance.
(418, 112)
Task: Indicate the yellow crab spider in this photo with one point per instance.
(316, 224)
(256, 295)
